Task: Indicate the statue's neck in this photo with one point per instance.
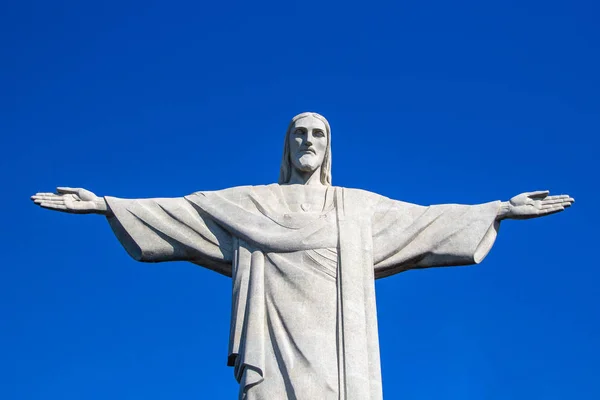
(306, 178)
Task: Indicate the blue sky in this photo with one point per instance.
(429, 102)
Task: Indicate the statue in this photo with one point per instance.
(303, 256)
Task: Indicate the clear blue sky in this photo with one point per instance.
(429, 102)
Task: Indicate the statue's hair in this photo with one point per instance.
(285, 172)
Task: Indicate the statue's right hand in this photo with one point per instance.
(71, 200)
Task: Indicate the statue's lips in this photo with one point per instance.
(305, 151)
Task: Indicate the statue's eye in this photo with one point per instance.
(319, 134)
(298, 132)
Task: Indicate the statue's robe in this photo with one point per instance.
(303, 262)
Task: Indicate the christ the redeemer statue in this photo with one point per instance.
(304, 256)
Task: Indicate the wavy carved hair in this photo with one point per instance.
(285, 172)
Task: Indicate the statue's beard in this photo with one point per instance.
(307, 163)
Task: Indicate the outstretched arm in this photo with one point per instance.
(73, 201)
(152, 230)
(533, 204)
(407, 236)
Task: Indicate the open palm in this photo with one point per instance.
(537, 204)
(69, 200)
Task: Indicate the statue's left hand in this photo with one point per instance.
(535, 204)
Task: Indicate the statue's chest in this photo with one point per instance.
(298, 206)
(306, 199)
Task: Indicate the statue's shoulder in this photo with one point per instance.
(360, 193)
(233, 190)
(361, 197)
(378, 202)
(237, 193)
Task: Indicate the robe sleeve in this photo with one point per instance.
(155, 230)
(407, 236)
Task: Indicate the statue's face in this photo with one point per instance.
(308, 144)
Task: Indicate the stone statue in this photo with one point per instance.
(304, 256)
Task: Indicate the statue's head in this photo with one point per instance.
(307, 147)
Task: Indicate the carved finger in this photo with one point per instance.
(53, 206)
(57, 201)
(67, 190)
(45, 196)
(550, 213)
(556, 201)
(551, 210)
(41, 199)
(556, 205)
(48, 195)
(540, 194)
(556, 197)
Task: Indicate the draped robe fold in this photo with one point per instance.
(303, 261)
